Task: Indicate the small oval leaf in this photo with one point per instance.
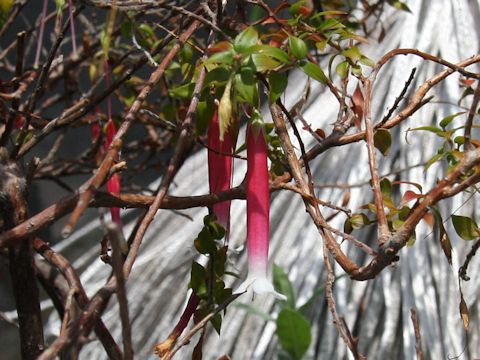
(294, 332)
(314, 72)
(298, 47)
(465, 227)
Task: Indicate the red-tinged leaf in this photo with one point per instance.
(358, 105)
(346, 198)
(409, 196)
(268, 20)
(321, 133)
(464, 311)
(305, 11)
(444, 238)
(220, 46)
(466, 82)
(429, 219)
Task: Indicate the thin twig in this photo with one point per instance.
(462, 271)
(399, 98)
(116, 240)
(91, 186)
(418, 337)
(383, 230)
(471, 115)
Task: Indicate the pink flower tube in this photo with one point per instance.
(220, 169)
(258, 213)
(113, 184)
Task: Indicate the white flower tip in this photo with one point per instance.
(260, 285)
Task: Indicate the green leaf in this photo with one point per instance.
(283, 285)
(204, 243)
(433, 160)
(448, 119)
(246, 85)
(382, 141)
(264, 62)
(298, 47)
(245, 39)
(366, 61)
(400, 5)
(359, 220)
(204, 115)
(386, 188)
(352, 53)
(465, 227)
(217, 76)
(432, 129)
(224, 57)
(278, 83)
(294, 332)
(342, 69)
(217, 322)
(214, 228)
(184, 91)
(330, 24)
(272, 51)
(146, 30)
(197, 279)
(314, 71)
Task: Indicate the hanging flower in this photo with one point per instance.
(258, 214)
(113, 184)
(220, 168)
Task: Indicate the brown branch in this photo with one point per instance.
(462, 271)
(383, 230)
(15, 101)
(416, 101)
(117, 242)
(418, 337)
(315, 214)
(339, 322)
(73, 280)
(90, 187)
(42, 77)
(399, 98)
(14, 210)
(471, 114)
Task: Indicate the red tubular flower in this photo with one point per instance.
(113, 184)
(258, 213)
(220, 168)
